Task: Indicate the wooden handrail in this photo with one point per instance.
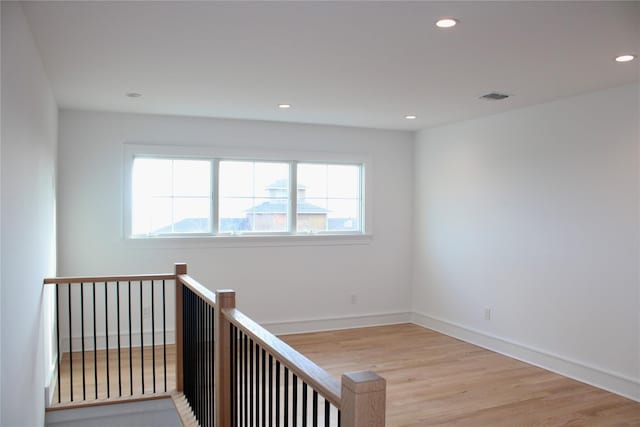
(205, 294)
(319, 379)
(102, 279)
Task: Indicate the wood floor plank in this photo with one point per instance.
(436, 380)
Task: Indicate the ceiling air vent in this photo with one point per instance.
(494, 96)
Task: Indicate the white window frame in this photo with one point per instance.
(215, 155)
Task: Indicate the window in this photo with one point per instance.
(170, 196)
(219, 195)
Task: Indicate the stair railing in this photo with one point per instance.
(113, 341)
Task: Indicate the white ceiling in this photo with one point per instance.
(348, 63)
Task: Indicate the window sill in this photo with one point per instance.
(244, 241)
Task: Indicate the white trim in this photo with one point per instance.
(611, 381)
(216, 153)
(336, 323)
(250, 241)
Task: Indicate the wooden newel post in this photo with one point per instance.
(180, 269)
(225, 299)
(363, 399)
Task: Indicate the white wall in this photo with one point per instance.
(29, 134)
(274, 283)
(535, 214)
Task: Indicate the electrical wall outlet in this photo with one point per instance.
(487, 313)
(354, 298)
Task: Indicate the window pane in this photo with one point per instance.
(151, 177)
(312, 180)
(191, 178)
(171, 196)
(254, 196)
(233, 214)
(329, 197)
(343, 181)
(233, 179)
(312, 214)
(191, 215)
(344, 214)
(269, 214)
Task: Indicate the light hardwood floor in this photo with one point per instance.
(433, 379)
(114, 389)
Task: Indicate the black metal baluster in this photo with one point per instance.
(270, 390)
(186, 344)
(185, 341)
(264, 388)
(106, 334)
(59, 355)
(141, 339)
(192, 356)
(213, 362)
(327, 413)
(130, 346)
(286, 397)
(240, 390)
(95, 343)
(153, 335)
(245, 355)
(208, 367)
(234, 379)
(315, 408)
(195, 358)
(205, 366)
(339, 422)
(205, 362)
(304, 404)
(251, 397)
(277, 393)
(211, 365)
(70, 348)
(189, 358)
(294, 408)
(200, 364)
(118, 321)
(84, 382)
(257, 381)
(164, 335)
(201, 361)
(200, 358)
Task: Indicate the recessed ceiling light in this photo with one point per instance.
(133, 95)
(410, 117)
(284, 106)
(495, 96)
(625, 58)
(446, 22)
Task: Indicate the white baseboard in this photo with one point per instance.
(336, 323)
(52, 382)
(610, 381)
(101, 342)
